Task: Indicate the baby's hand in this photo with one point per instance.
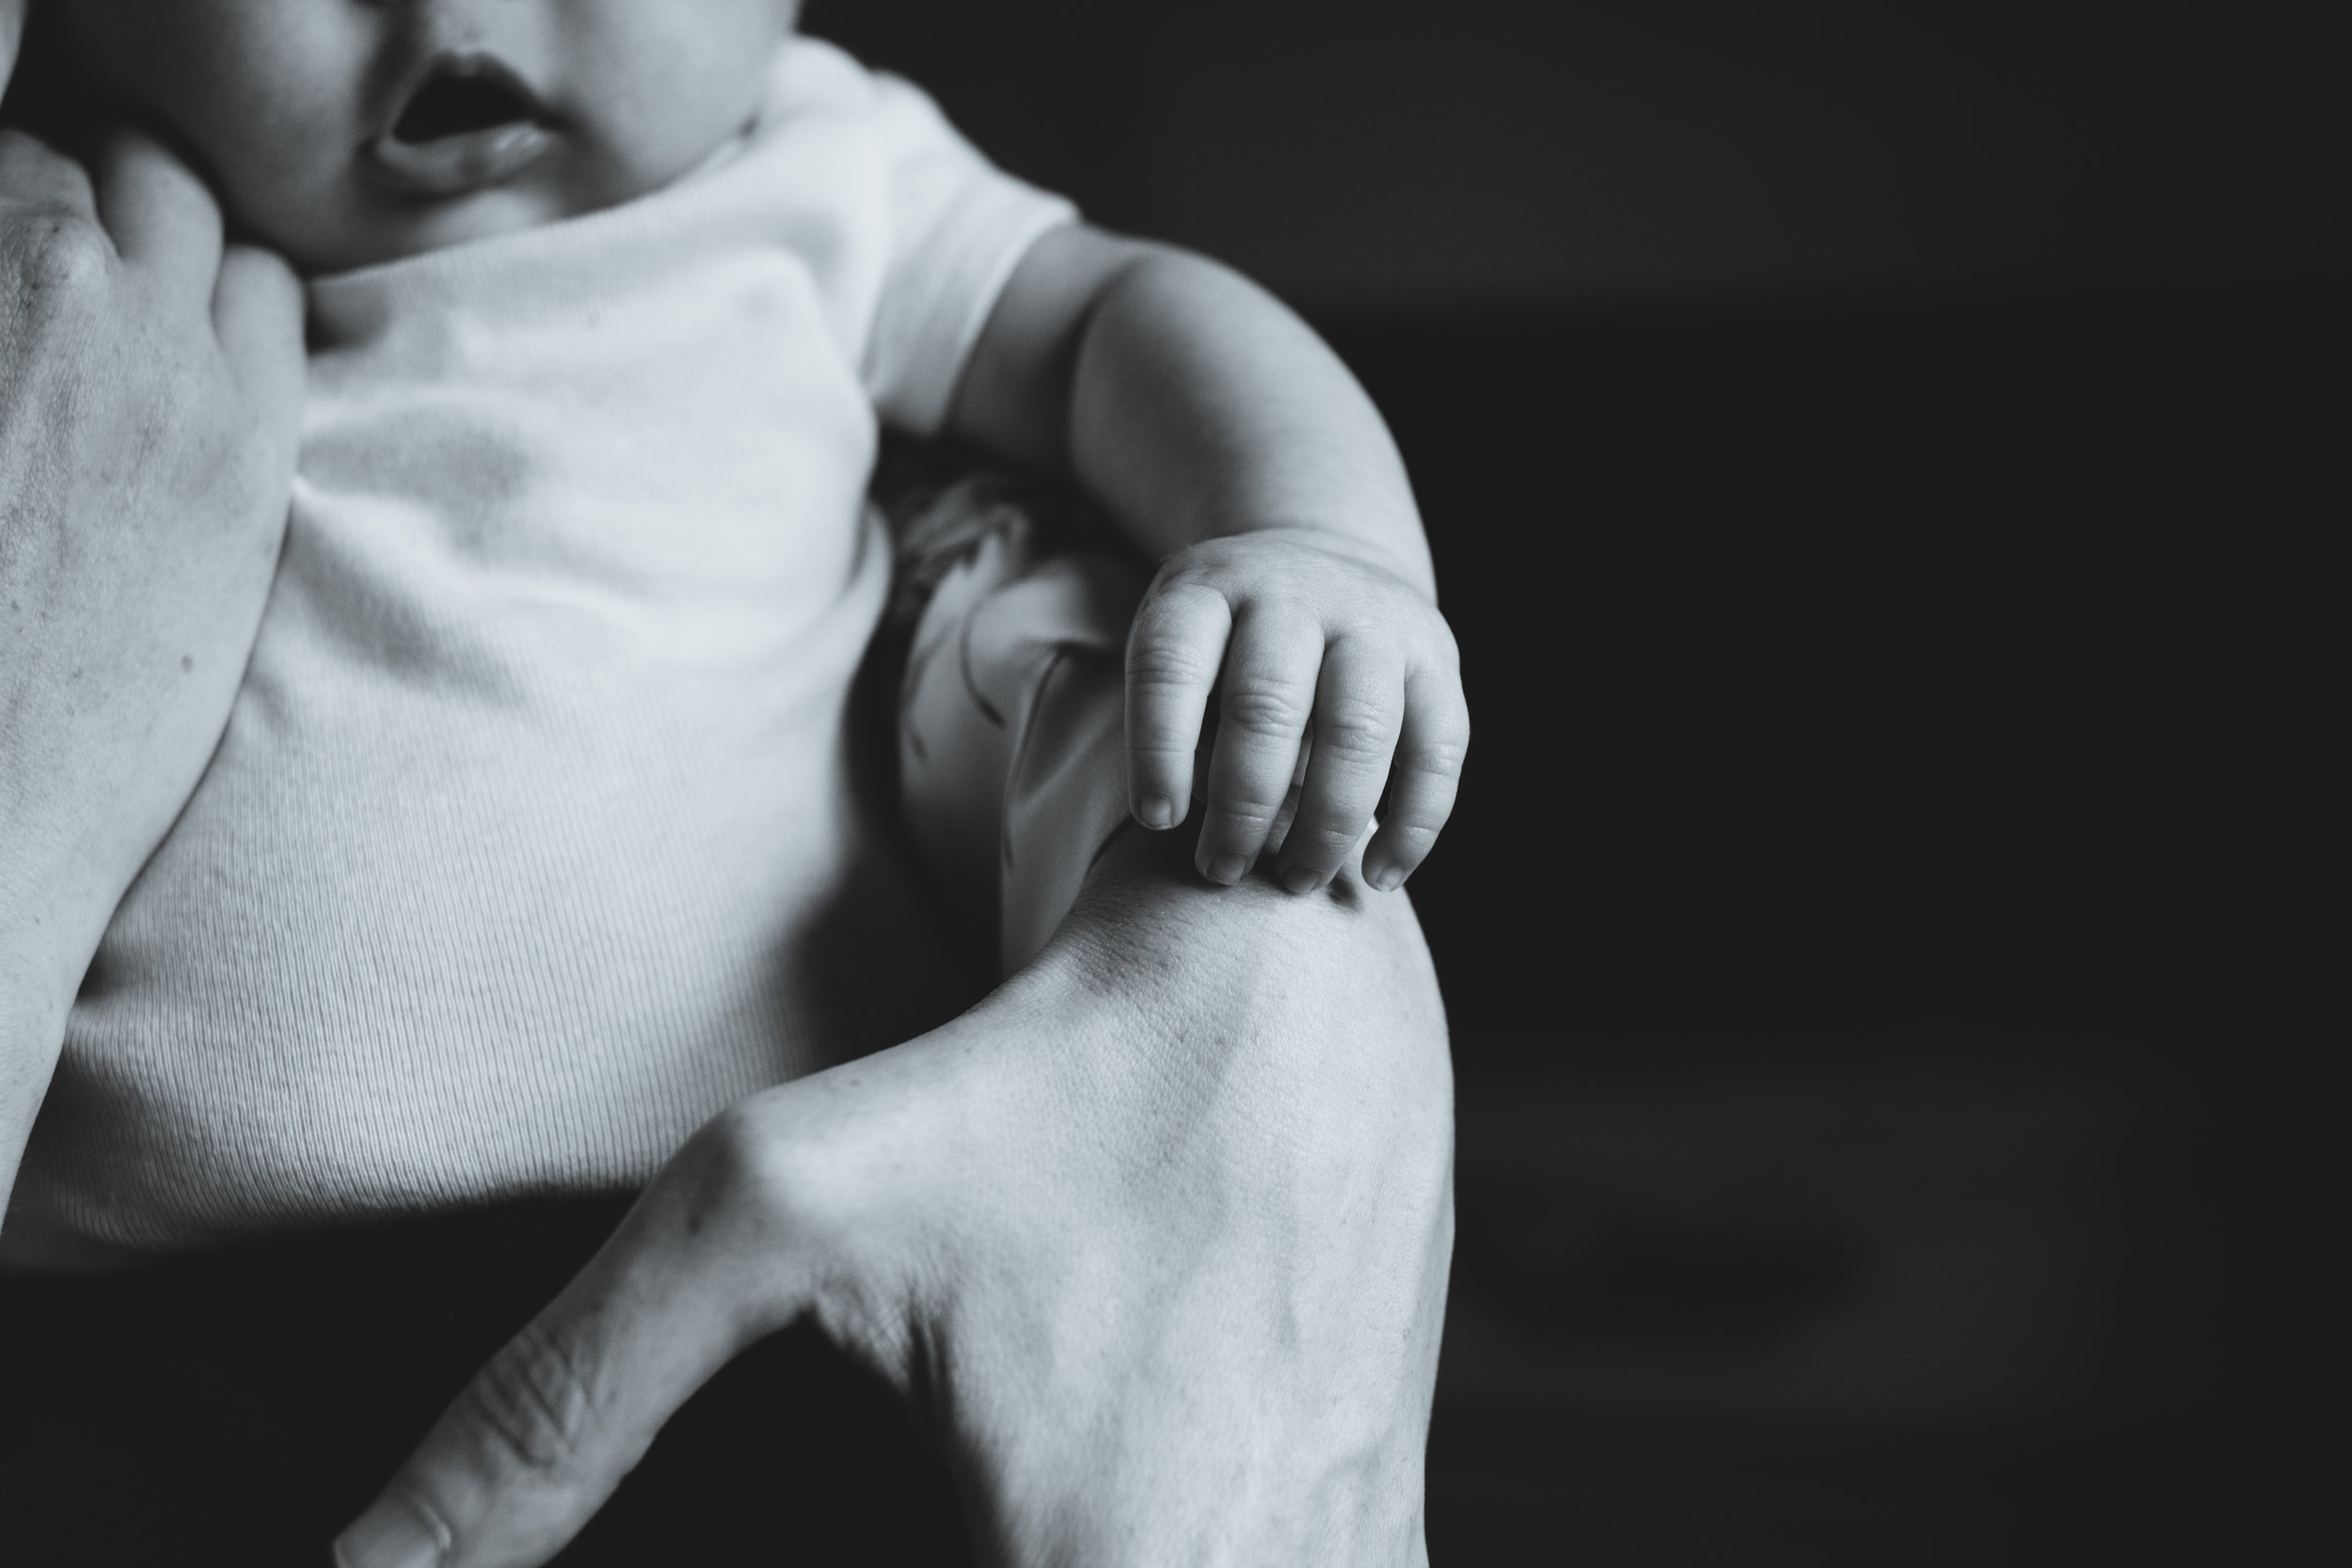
(1320, 648)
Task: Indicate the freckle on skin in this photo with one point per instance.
(188, 663)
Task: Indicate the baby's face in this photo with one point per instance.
(346, 132)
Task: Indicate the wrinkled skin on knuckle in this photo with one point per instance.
(1263, 707)
(1353, 732)
(534, 1408)
(1158, 665)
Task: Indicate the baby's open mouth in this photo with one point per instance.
(463, 97)
(467, 124)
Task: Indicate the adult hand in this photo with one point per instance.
(1154, 1240)
(149, 386)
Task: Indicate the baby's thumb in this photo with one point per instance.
(521, 1460)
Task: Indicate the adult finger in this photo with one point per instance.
(527, 1453)
(163, 221)
(1172, 659)
(1427, 774)
(257, 317)
(11, 34)
(34, 175)
(1264, 700)
(1359, 708)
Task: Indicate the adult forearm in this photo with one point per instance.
(1201, 407)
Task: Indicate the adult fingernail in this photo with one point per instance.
(1229, 869)
(394, 1533)
(1157, 811)
(1300, 879)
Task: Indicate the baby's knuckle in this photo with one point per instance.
(1441, 757)
(1242, 816)
(1410, 842)
(1184, 585)
(1444, 649)
(1163, 768)
(1325, 841)
(532, 1405)
(1353, 730)
(1154, 668)
(1261, 705)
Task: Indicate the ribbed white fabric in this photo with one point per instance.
(531, 843)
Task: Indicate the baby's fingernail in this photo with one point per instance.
(1300, 879)
(1156, 812)
(1229, 869)
(392, 1534)
(1389, 878)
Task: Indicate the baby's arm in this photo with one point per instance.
(1226, 439)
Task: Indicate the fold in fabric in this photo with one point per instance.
(1011, 721)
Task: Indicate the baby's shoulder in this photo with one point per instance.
(812, 78)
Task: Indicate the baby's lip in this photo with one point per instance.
(468, 158)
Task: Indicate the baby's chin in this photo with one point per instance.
(364, 226)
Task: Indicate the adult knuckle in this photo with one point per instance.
(534, 1406)
(67, 256)
(59, 264)
(742, 1173)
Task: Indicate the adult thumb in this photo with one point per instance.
(524, 1457)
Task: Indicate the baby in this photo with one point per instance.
(532, 840)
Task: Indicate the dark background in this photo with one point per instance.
(1876, 457)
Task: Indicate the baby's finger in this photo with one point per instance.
(1428, 771)
(163, 221)
(1172, 659)
(1359, 710)
(1264, 699)
(257, 316)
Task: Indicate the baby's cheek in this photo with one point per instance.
(655, 90)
